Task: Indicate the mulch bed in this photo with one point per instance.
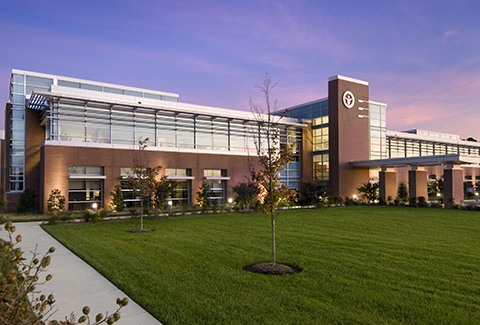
(140, 230)
(271, 269)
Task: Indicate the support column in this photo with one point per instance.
(453, 185)
(417, 183)
(388, 184)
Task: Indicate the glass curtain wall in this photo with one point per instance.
(77, 122)
(404, 148)
(378, 131)
(21, 85)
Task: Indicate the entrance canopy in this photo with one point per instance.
(452, 159)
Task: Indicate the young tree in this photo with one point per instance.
(117, 199)
(203, 195)
(272, 155)
(163, 190)
(369, 191)
(143, 178)
(56, 202)
(402, 193)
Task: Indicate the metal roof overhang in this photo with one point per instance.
(38, 101)
(454, 159)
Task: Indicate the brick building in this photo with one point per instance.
(81, 137)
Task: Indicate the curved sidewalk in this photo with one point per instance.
(76, 284)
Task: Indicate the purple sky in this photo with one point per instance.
(422, 58)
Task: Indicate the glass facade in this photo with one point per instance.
(378, 131)
(317, 112)
(21, 85)
(400, 147)
(98, 123)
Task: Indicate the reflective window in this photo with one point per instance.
(18, 78)
(39, 81)
(152, 96)
(18, 89)
(70, 84)
(91, 87)
(132, 93)
(85, 170)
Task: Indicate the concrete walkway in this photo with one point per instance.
(75, 284)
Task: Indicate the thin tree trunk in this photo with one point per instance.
(141, 213)
(273, 238)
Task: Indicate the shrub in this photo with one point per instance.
(337, 200)
(422, 203)
(26, 203)
(94, 216)
(402, 192)
(369, 191)
(435, 205)
(56, 202)
(246, 194)
(313, 192)
(412, 202)
(18, 280)
(90, 216)
(102, 214)
(117, 199)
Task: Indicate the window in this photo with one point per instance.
(178, 172)
(182, 188)
(85, 187)
(217, 192)
(181, 193)
(215, 172)
(83, 193)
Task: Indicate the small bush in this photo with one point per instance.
(435, 205)
(412, 202)
(94, 216)
(90, 216)
(350, 202)
(337, 200)
(56, 202)
(422, 203)
(102, 214)
(26, 203)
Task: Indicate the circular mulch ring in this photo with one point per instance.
(140, 230)
(271, 269)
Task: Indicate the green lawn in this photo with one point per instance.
(361, 265)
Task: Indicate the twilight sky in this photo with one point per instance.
(422, 58)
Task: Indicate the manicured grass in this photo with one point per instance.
(361, 265)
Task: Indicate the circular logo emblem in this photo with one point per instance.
(348, 99)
